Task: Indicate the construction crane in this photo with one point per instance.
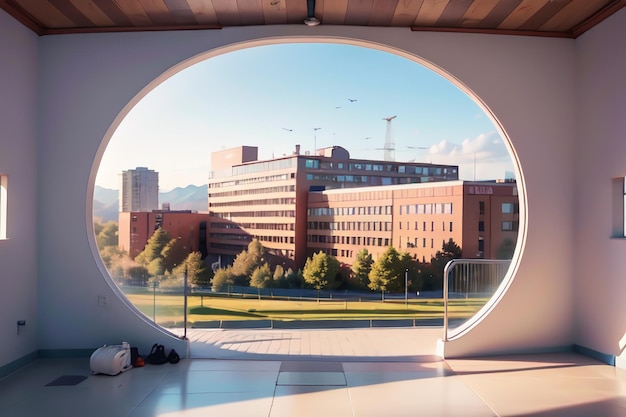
(390, 146)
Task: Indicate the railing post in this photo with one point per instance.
(446, 271)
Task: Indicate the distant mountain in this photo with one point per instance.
(105, 204)
(191, 197)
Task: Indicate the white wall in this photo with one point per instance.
(529, 83)
(600, 156)
(18, 254)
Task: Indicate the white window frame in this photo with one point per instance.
(618, 221)
(3, 206)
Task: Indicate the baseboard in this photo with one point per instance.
(65, 353)
(602, 357)
(11, 367)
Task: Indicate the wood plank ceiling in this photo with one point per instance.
(559, 18)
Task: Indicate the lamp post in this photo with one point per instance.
(315, 129)
(185, 279)
(406, 288)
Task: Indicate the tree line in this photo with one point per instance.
(164, 261)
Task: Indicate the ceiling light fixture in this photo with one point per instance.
(311, 20)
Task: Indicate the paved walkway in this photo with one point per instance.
(370, 344)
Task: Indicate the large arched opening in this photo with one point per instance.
(399, 52)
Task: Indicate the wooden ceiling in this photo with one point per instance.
(557, 18)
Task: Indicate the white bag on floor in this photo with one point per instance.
(111, 359)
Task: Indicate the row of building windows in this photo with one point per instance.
(426, 242)
(265, 166)
(253, 180)
(231, 236)
(430, 208)
(506, 226)
(280, 189)
(248, 238)
(366, 166)
(357, 226)
(349, 211)
(347, 253)
(424, 229)
(364, 179)
(269, 213)
(261, 202)
(350, 240)
(258, 226)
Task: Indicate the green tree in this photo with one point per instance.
(155, 267)
(222, 279)
(291, 279)
(449, 250)
(279, 273)
(361, 268)
(106, 234)
(112, 256)
(387, 272)
(154, 247)
(320, 271)
(173, 253)
(247, 261)
(197, 271)
(138, 274)
(262, 278)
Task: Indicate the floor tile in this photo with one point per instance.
(396, 396)
(312, 378)
(308, 401)
(206, 404)
(195, 382)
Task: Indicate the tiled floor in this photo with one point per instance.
(563, 384)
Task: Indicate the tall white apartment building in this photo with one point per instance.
(139, 190)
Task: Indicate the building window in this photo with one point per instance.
(481, 207)
(450, 226)
(481, 247)
(3, 206)
(507, 226)
(507, 208)
(312, 163)
(481, 226)
(618, 222)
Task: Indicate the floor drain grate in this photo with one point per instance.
(67, 380)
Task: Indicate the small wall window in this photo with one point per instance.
(619, 207)
(3, 206)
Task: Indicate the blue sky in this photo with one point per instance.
(275, 96)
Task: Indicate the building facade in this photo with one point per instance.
(268, 200)
(135, 228)
(139, 190)
(481, 217)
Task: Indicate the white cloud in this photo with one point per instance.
(484, 157)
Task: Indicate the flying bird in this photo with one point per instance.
(288, 130)
(352, 100)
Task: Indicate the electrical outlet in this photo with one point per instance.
(102, 300)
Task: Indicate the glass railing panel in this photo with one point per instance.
(162, 301)
(468, 285)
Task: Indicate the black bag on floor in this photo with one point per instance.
(157, 355)
(173, 357)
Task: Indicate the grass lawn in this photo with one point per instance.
(169, 308)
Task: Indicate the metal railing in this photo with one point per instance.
(470, 280)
